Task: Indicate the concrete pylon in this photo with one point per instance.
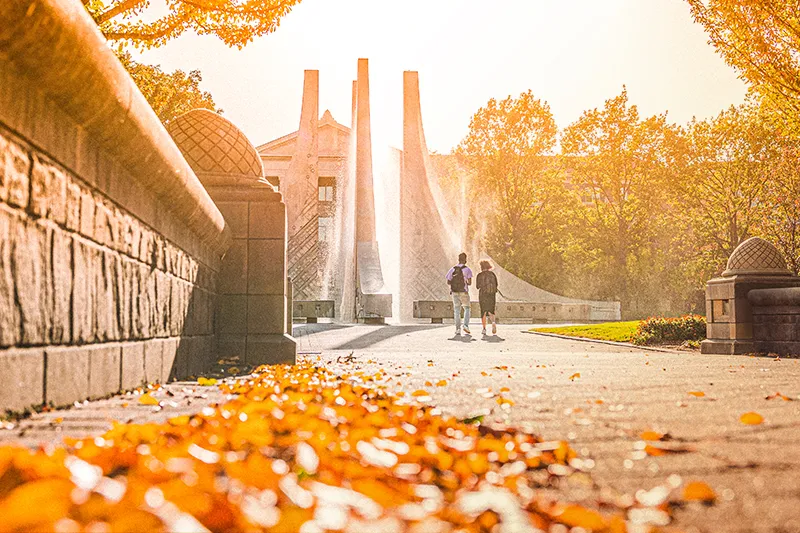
(426, 246)
(365, 193)
(373, 302)
(300, 189)
(353, 107)
(431, 236)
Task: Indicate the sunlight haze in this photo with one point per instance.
(573, 54)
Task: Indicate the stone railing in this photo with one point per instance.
(109, 245)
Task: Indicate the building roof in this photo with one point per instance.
(326, 121)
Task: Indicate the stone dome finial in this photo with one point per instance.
(756, 257)
(217, 151)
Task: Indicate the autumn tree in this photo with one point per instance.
(617, 163)
(145, 24)
(726, 177)
(508, 152)
(761, 40)
(142, 24)
(169, 94)
(780, 220)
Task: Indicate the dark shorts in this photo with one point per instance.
(487, 301)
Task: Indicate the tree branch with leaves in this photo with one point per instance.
(140, 24)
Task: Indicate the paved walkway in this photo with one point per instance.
(619, 393)
(597, 396)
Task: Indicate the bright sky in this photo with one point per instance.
(572, 53)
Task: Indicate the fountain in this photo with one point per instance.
(423, 235)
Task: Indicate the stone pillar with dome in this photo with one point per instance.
(253, 308)
(755, 305)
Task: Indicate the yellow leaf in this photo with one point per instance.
(751, 419)
(205, 382)
(575, 376)
(420, 392)
(442, 383)
(699, 491)
(146, 399)
(504, 389)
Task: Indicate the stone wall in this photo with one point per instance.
(109, 245)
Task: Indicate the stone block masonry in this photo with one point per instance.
(79, 272)
(110, 247)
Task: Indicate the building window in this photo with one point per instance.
(325, 229)
(326, 189)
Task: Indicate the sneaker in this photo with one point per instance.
(458, 332)
(483, 331)
(466, 330)
(494, 329)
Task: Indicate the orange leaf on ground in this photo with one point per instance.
(778, 395)
(577, 516)
(420, 392)
(697, 394)
(751, 419)
(699, 491)
(657, 449)
(146, 399)
(441, 383)
(575, 376)
(651, 435)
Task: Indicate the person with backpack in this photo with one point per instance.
(486, 282)
(459, 278)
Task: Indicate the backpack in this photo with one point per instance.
(489, 283)
(457, 284)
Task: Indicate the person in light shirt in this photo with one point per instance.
(459, 278)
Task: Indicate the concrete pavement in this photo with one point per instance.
(599, 397)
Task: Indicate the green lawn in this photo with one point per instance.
(608, 331)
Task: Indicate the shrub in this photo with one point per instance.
(658, 330)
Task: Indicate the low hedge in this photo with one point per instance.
(659, 330)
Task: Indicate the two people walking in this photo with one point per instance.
(459, 278)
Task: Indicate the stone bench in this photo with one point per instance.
(522, 312)
(312, 310)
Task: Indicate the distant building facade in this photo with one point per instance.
(311, 238)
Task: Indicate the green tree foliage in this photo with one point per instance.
(145, 24)
(726, 176)
(169, 94)
(617, 166)
(506, 153)
(642, 211)
(780, 217)
(761, 40)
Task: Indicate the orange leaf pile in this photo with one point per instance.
(296, 448)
